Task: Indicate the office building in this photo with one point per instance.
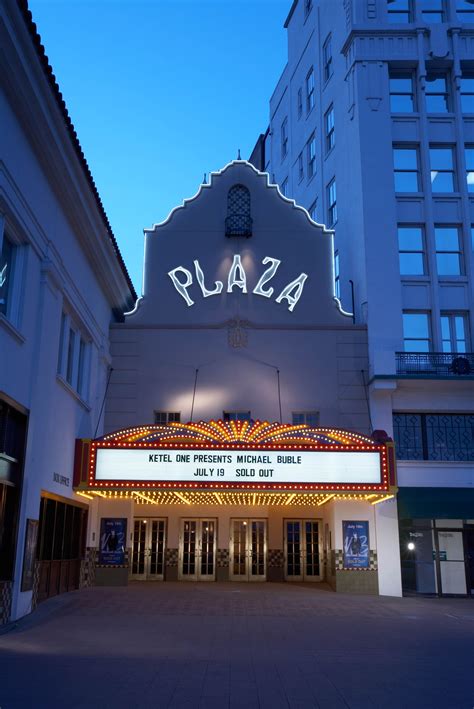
(372, 131)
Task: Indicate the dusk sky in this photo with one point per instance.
(161, 92)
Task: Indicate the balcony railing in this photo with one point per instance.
(435, 364)
(238, 225)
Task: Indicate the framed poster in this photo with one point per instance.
(113, 535)
(355, 535)
(29, 556)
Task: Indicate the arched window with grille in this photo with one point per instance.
(238, 221)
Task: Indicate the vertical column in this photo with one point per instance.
(388, 548)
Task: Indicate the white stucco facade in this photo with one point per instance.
(60, 275)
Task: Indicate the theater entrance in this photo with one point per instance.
(197, 550)
(248, 550)
(303, 550)
(148, 549)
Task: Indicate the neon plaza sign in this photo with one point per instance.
(237, 278)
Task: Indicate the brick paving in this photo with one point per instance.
(239, 646)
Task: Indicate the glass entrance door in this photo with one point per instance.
(303, 548)
(248, 549)
(197, 550)
(450, 558)
(148, 550)
(469, 544)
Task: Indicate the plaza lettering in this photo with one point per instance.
(182, 279)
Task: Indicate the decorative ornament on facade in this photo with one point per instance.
(237, 333)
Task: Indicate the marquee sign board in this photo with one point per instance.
(239, 466)
(237, 455)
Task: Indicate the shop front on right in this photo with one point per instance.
(437, 541)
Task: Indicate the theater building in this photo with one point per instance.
(238, 443)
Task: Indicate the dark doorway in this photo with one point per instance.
(61, 546)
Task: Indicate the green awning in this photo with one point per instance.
(435, 503)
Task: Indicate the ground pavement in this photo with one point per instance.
(239, 646)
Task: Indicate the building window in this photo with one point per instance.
(401, 92)
(74, 356)
(442, 169)
(454, 332)
(416, 332)
(448, 251)
(327, 59)
(308, 6)
(299, 102)
(329, 128)
(71, 346)
(300, 167)
(310, 90)
(332, 206)
(399, 11)
(162, 418)
(337, 281)
(236, 415)
(62, 336)
(310, 418)
(13, 425)
(311, 156)
(411, 251)
(313, 210)
(284, 139)
(436, 93)
(434, 436)
(238, 221)
(81, 365)
(284, 187)
(465, 10)
(467, 90)
(406, 173)
(469, 153)
(7, 274)
(432, 10)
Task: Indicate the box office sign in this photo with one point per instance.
(355, 536)
(234, 466)
(113, 535)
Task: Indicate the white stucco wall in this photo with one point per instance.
(315, 348)
(49, 212)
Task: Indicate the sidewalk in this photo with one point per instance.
(239, 646)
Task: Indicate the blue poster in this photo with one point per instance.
(113, 533)
(356, 544)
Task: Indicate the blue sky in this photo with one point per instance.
(160, 92)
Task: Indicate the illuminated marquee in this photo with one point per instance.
(237, 278)
(234, 466)
(241, 455)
